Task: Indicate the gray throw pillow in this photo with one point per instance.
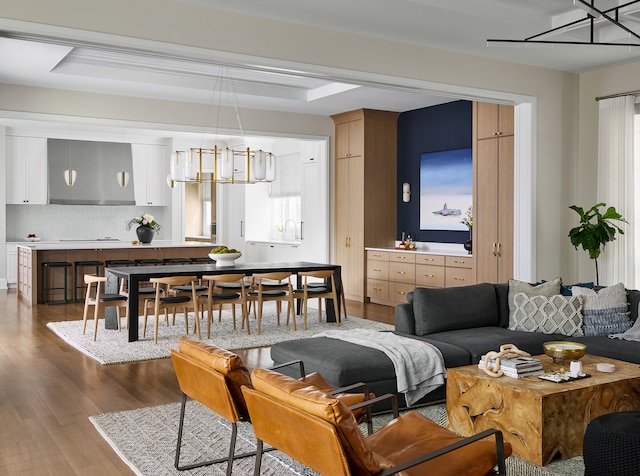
(548, 289)
(605, 311)
(448, 309)
(555, 315)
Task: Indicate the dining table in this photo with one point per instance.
(134, 275)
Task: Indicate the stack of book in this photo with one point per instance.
(517, 367)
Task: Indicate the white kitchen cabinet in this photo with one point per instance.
(268, 252)
(150, 170)
(314, 211)
(26, 170)
(12, 264)
(287, 182)
(230, 200)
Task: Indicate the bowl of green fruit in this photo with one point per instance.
(224, 256)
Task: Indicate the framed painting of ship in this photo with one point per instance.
(446, 189)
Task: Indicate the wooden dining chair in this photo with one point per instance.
(95, 296)
(261, 293)
(313, 290)
(171, 302)
(218, 295)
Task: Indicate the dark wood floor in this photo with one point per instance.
(48, 390)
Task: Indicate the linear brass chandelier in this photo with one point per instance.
(610, 16)
(232, 165)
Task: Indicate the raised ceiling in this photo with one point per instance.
(462, 26)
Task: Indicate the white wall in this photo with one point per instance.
(555, 93)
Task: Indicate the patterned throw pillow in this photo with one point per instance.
(548, 289)
(604, 312)
(550, 315)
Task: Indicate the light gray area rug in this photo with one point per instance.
(145, 439)
(112, 347)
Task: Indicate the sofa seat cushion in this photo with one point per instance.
(480, 340)
(614, 349)
(448, 309)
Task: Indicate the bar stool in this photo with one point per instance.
(200, 260)
(148, 262)
(43, 282)
(114, 263)
(83, 264)
(176, 261)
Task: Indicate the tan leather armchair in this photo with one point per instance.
(298, 419)
(215, 377)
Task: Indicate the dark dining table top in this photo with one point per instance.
(137, 274)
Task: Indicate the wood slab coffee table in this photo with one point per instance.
(542, 420)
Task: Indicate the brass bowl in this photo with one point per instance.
(560, 351)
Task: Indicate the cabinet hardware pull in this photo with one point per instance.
(458, 279)
(401, 272)
(402, 293)
(499, 249)
(495, 246)
(377, 269)
(429, 276)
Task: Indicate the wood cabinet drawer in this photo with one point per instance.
(402, 257)
(430, 276)
(398, 292)
(377, 269)
(459, 261)
(459, 277)
(378, 255)
(437, 260)
(377, 289)
(402, 272)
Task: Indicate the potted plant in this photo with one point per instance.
(467, 221)
(596, 229)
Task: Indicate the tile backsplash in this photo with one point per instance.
(80, 222)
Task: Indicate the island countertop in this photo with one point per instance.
(108, 244)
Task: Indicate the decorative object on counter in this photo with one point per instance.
(407, 244)
(492, 360)
(560, 351)
(32, 237)
(224, 256)
(594, 235)
(147, 227)
(467, 220)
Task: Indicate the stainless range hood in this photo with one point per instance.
(97, 165)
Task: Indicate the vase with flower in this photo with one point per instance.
(146, 229)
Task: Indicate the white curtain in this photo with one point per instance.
(616, 186)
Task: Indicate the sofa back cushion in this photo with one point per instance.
(449, 309)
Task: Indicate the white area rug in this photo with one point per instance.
(145, 439)
(112, 347)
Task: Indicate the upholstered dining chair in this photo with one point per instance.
(313, 290)
(171, 302)
(217, 296)
(214, 377)
(411, 443)
(96, 297)
(261, 294)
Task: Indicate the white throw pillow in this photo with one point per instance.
(548, 289)
(605, 311)
(550, 315)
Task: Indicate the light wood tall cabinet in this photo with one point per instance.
(493, 209)
(365, 191)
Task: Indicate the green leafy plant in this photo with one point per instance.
(596, 229)
(144, 220)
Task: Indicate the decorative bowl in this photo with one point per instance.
(560, 351)
(224, 259)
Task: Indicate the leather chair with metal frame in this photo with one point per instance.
(215, 377)
(411, 444)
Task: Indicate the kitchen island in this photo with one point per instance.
(32, 254)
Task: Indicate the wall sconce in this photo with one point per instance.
(70, 177)
(122, 178)
(406, 192)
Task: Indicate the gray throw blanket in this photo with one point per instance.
(419, 365)
(631, 334)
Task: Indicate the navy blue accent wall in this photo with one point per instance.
(432, 129)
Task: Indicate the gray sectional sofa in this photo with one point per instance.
(462, 322)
